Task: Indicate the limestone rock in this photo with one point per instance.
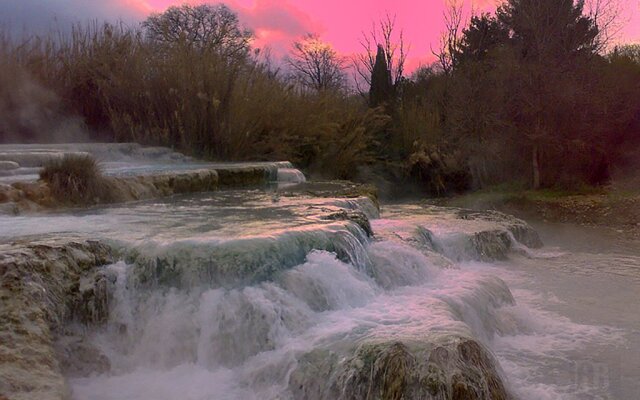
(355, 216)
(78, 357)
(38, 283)
(450, 367)
(8, 165)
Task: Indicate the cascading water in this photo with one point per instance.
(227, 342)
(290, 176)
(297, 314)
(250, 295)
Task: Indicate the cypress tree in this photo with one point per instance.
(381, 90)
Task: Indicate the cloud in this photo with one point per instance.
(276, 24)
(37, 16)
(280, 16)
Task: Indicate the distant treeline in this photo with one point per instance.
(529, 95)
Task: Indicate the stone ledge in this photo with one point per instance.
(22, 197)
(38, 292)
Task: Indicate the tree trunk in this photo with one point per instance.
(536, 167)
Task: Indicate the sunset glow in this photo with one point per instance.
(277, 23)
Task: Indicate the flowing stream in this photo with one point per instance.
(253, 295)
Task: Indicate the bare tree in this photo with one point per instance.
(212, 27)
(316, 65)
(606, 16)
(450, 39)
(382, 34)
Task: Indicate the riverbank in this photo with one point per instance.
(613, 209)
(128, 171)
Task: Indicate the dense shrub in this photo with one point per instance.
(513, 108)
(201, 101)
(76, 179)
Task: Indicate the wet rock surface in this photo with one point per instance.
(80, 358)
(38, 289)
(522, 231)
(238, 263)
(132, 173)
(8, 165)
(459, 234)
(29, 196)
(447, 368)
(356, 216)
(55, 294)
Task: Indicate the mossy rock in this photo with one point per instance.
(450, 367)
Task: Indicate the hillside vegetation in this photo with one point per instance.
(531, 95)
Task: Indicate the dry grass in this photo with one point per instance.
(77, 180)
(202, 103)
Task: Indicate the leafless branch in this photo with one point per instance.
(316, 65)
(607, 16)
(450, 38)
(382, 33)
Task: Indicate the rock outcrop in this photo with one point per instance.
(460, 234)
(520, 230)
(39, 292)
(244, 261)
(31, 196)
(448, 367)
(132, 172)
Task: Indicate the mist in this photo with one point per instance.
(33, 113)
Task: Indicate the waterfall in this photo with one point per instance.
(248, 295)
(299, 314)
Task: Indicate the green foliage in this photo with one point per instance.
(530, 102)
(549, 30)
(629, 53)
(484, 34)
(533, 101)
(381, 91)
(77, 180)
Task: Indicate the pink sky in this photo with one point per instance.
(340, 22)
(277, 23)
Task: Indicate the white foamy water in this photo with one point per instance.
(244, 343)
(290, 176)
(227, 296)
